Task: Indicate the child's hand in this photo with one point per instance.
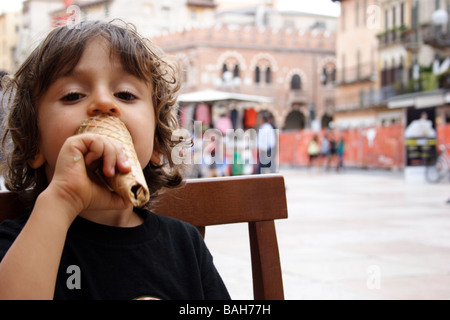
(74, 178)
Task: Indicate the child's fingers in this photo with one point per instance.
(123, 165)
(110, 152)
(115, 157)
(109, 160)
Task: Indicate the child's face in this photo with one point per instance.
(98, 84)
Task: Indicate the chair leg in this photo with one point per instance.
(266, 268)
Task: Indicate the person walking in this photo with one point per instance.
(266, 144)
(324, 150)
(340, 152)
(313, 151)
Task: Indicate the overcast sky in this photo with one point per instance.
(313, 6)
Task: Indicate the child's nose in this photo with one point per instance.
(103, 104)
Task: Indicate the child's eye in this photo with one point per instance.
(125, 95)
(71, 97)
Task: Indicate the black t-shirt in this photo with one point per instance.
(162, 258)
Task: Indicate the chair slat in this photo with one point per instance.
(206, 202)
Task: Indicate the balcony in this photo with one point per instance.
(410, 40)
(390, 37)
(426, 84)
(363, 72)
(433, 36)
(370, 98)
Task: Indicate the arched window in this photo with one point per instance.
(224, 68)
(236, 71)
(328, 75)
(257, 75)
(268, 75)
(296, 82)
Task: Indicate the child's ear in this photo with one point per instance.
(156, 157)
(37, 161)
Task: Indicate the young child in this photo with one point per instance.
(80, 240)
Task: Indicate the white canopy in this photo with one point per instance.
(214, 95)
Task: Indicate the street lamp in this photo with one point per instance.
(440, 19)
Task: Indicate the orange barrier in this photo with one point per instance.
(374, 147)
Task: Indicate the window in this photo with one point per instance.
(328, 75)
(224, 68)
(358, 64)
(415, 16)
(394, 13)
(364, 11)
(323, 77)
(402, 14)
(257, 75)
(263, 65)
(343, 76)
(386, 14)
(230, 74)
(392, 72)
(268, 75)
(236, 71)
(296, 82)
(400, 70)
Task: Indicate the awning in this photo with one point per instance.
(420, 100)
(214, 95)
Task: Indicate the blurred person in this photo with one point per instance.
(313, 151)
(266, 144)
(333, 152)
(340, 152)
(420, 128)
(223, 124)
(324, 150)
(271, 121)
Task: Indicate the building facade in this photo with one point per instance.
(392, 59)
(357, 90)
(149, 16)
(255, 49)
(425, 82)
(253, 52)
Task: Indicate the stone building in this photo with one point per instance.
(284, 58)
(294, 68)
(357, 64)
(392, 61)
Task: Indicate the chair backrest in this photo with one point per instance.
(257, 200)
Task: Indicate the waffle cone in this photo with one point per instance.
(130, 185)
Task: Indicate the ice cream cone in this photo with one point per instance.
(130, 185)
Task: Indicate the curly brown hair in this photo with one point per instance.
(57, 55)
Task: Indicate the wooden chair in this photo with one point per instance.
(257, 200)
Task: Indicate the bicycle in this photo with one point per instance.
(437, 171)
